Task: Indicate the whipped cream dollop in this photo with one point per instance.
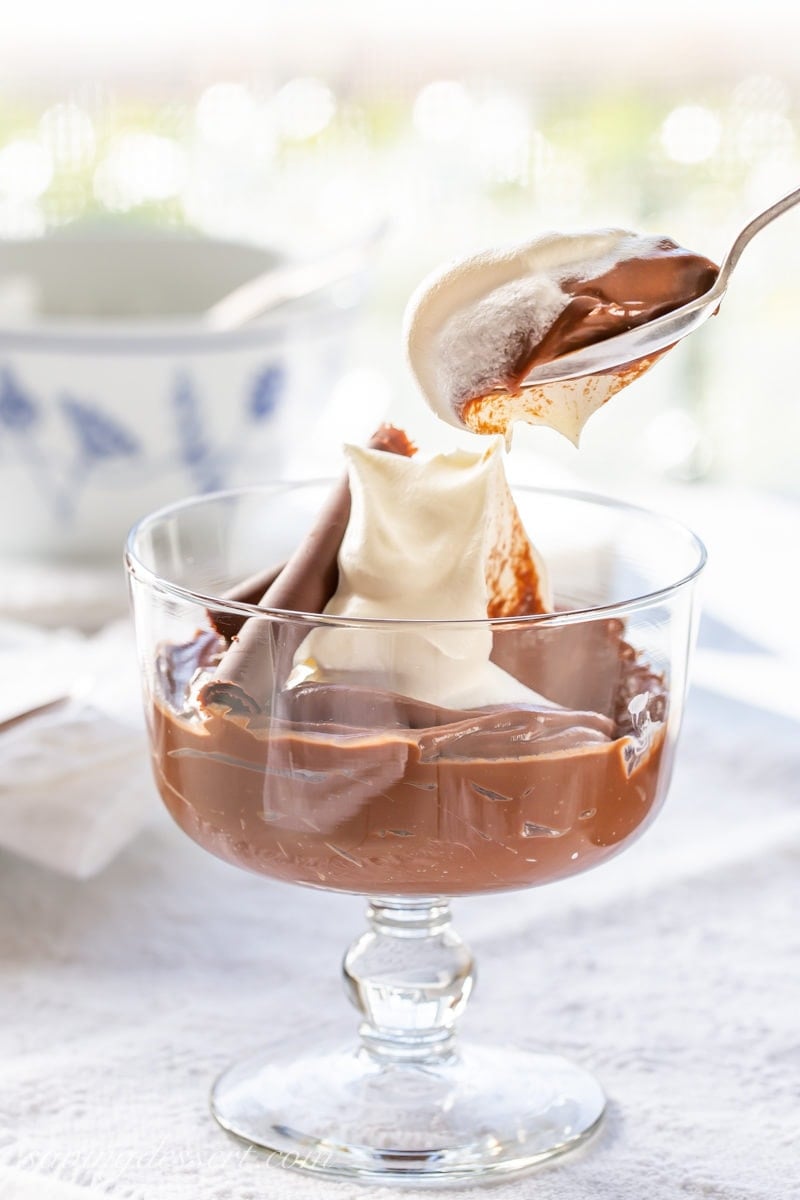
(475, 328)
(436, 539)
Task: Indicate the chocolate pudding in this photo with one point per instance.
(352, 788)
(630, 293)
(320, 754)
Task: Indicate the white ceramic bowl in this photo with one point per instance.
(114, 397)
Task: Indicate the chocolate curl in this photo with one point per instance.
(244, 678)
(249, 591)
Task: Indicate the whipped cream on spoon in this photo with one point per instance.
(476, 328)
(547, 332)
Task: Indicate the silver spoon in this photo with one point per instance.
(626, 348)
(293, 281)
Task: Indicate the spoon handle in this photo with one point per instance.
(750, 230)
(292, 281)
(280, 285)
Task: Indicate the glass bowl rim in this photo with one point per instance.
(137, 570)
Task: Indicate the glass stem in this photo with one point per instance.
(410, 976)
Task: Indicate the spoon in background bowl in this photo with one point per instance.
(294, 281)
(644, 341)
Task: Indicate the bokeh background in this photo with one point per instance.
(301, 125)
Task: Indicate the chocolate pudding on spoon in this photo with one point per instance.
(477, 328)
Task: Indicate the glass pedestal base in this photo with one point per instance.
(474, 1115)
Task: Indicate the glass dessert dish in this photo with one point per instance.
(344, 781)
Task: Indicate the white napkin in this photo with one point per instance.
(75, 785)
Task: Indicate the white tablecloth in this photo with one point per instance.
(672, 972)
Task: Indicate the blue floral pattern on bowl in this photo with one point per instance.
(267, 391)
(92, 437)
(98, 435)
(19, 412)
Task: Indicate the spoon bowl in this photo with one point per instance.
(644, 341)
